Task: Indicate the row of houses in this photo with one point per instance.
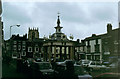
(103, 46)
(59, 47)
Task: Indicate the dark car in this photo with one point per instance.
(42, 70)
(70, 70)
(38, 60)
(81, 73)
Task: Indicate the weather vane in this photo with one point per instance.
(58, 13)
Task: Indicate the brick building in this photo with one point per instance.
(16, 46)
(56, 47)
(101, 47)
(59, 47)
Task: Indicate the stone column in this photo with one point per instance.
(91, 56)
(49, 53)
(73, 48)
(44, 51)
(60, 52)
(41, 51)
(65, 55)
(86, 56)
(71, 53)
(94, 57)
(66, 52)
(54, 53)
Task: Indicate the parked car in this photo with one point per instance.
(72, 61)
(114, 67)
(69, 71)
(81, 72)
(38, 60)
(60, 63)
(64, 62)
(96, 66)
(43, 68)
(85, 63)
(106, 63)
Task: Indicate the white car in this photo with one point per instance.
(84, 63)
(96, 66)
(81, 72)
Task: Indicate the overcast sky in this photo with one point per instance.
(81, 19)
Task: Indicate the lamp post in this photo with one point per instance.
(18, 25)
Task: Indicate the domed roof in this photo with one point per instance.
(59, 36)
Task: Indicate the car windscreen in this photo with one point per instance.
(86, 62)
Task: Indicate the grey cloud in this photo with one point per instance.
(105, 11)
(14, 13)
(79, 19)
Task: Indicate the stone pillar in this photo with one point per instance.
(60, 52)
(73, 48)
(49, 53)
(41, 52)
(46, 53)
(65, 55)
(94, 57)
(86, 56)
(91, 56)
(54, 53)
(71, 52)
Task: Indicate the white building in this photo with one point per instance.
(93, 48)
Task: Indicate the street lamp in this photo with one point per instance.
(18, 25)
